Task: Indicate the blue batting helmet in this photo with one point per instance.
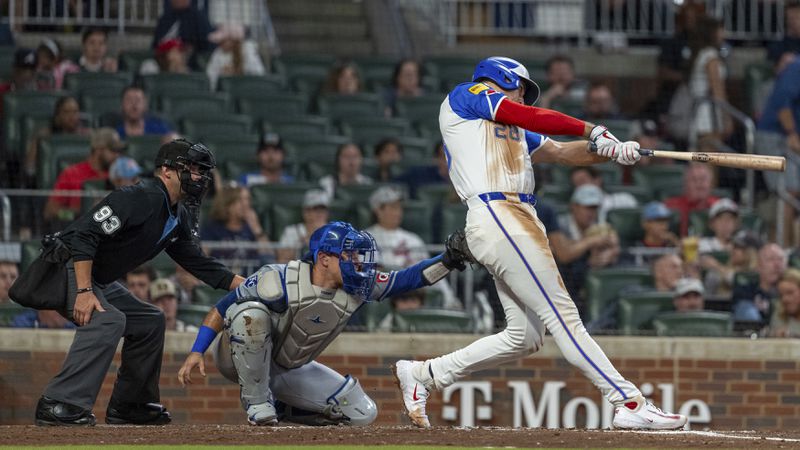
(508, 74)
(357, 254)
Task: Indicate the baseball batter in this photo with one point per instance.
(284, 315)
(488, 129)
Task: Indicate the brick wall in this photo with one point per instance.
(741, 392)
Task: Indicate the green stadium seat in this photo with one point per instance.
(32, 124)
(192, 314)
(18, 104)
(245, 85)
(417, 218)
(454, 217)
(131, 60)
(98, 188)
(173, 84)
(83, 82)
(55, 152)
(628, 224)
(556, 192)
(283, 215)
(640, 193)
(340, 107)
(298, 64)
(265, 195)
(435, 194)
(620, 128)
(637, 311)
(450, 71)
(374, 313)
(7, 53)
(341, 210)
(209, 126)
(610, 173)
(721, 256)
(300, 125)
(182, 105)
(756, 76)
(270, 105)
(144, 149)
(8, 311)
(203, 294)
(235, 155)
(360, 193)
(697, 323)
(603, 286)
(663, 180)
(368, 131)
(432, 321)
(29, 250)
(100, 103)
(376, 72)
(420, 110)
(416, 149)
(568, 106)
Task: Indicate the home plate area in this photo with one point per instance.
(394, 435)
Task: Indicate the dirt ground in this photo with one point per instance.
(379, 435)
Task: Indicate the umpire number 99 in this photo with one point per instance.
(108, 222)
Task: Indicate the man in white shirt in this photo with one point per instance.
(315, 214)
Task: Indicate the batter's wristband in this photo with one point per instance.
(204, 339)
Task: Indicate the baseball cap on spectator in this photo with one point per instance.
(124, 168)
(270, 140)
(384, 195)
(165, 46)
(587, 195)
(25, 58)
(746, 239)
(106, 137)
(656, 211)
(162, 287)
(51, 46)
(723, 205)
(316, 197)
(687, 285)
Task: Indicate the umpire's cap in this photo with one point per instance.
(180, 151)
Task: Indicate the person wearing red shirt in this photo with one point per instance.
(105, 147)
(697, 185)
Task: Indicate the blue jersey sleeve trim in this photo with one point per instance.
(473, 101)
(535, 141)
(225, 302)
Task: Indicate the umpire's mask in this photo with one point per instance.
(188, 158)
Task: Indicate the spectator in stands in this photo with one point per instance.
(124, 171)
(186, 282)
(707, 79)
(343, 79)
(138, 281)
(697, 196)
(105, 147)
(135, 118)
(66, 120)
(232, 219)
(667, 270)
(347, 169)
(599, 104)
(582, 175)
(397, 247)
(752, 301)
(689, 294)
(777, 133)
(8, 274)
(674, 55)
(164, 295)
(94, 52)
(171, 56)
(437, 173)
(43, 318)
(270, 155)
(563, 84)
(295, 237)
(234, 55)
(23, 73)
(723, 220)
(785, 321)
(406, 83)
(52, 66)
(407, 301)
(388, 152)
(790, 44)
(183, 21)
(655, 222)
(743, 257)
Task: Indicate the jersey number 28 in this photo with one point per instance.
(502, 131)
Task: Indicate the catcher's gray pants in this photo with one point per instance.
(141, 324)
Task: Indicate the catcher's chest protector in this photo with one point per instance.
(310, 323)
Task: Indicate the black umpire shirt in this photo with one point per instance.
(131, 226)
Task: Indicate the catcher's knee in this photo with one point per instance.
(248, 324)
(353, 403)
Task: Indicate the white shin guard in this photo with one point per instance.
(249, 330)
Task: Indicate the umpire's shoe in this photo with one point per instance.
(119, 413)
(51, 412)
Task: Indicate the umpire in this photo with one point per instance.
(129, 227)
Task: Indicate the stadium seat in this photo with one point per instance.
(98, 188)
(192, 314)
(620, 128)
(55, 152)
(696, 323)
(10, 310)
(450, 70)
(82, 82)
(29, 250)
(286, 194)
(368, 131)
(628, 224)
(341, 210)
(635, 312)
(299, 125)
(144, 149)
(420, 110)
(374, 313)
(131, 60)
(610, 172)
(173, 84)
(571, 107)
(235, 155)
(454, 217)
(417, 218)
(32, 124)
(283, 215)
(360, 193)
(376, 72)
(556, 192)
(203, 294)
(7, 53)
(721, 256)
(245, 85)
(186, 105)
(663, 181)
(340, 107)
(210, 126)
(603, 286)
(640, 193)
(435, 194)
(99, 103)
(757, 76)
(432, 321)
(269, 105)
(18, 104)
(163, 265)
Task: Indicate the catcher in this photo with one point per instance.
(284, 315)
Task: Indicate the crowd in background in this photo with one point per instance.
(736, 268)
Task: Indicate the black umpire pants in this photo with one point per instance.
(140, 324)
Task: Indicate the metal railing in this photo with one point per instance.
(785, 197)
(748, 20)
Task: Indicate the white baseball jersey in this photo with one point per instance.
(483, 155)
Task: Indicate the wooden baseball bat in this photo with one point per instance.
(735, 160)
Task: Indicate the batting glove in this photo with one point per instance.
(628, 153)
(625, 153)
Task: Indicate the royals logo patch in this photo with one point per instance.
(382, 277)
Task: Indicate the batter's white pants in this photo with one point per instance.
(507, 237)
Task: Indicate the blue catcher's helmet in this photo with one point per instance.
(357, 253)
(508, 74)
